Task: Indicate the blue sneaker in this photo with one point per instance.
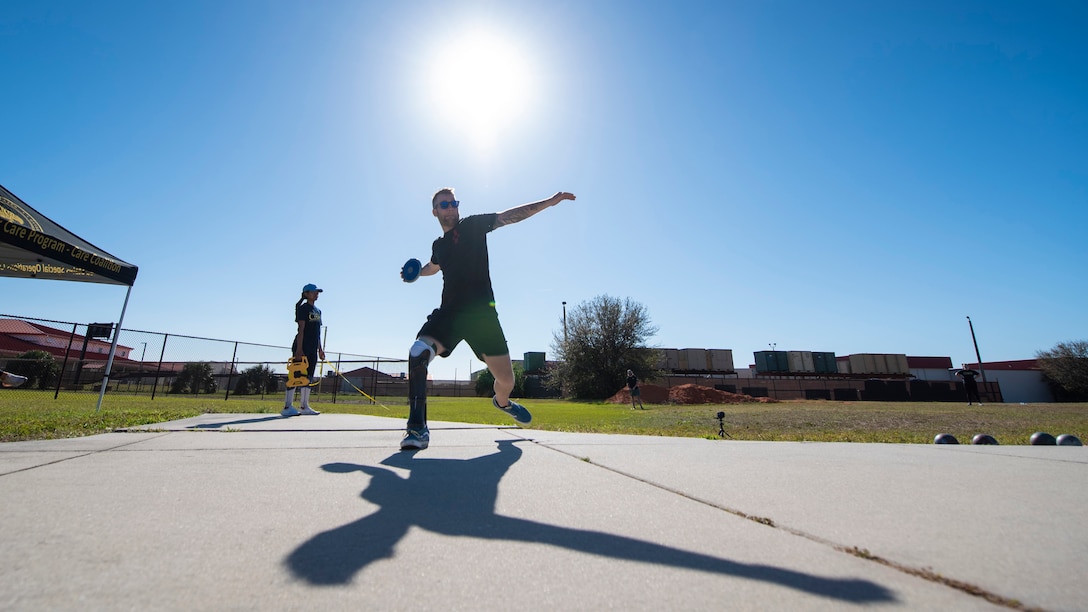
(289, 411)
(417, 439)
(516, 410)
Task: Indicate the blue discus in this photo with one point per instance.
(410, 271)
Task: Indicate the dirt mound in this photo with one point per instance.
(651, 394)
(686, 394)
(696, 394)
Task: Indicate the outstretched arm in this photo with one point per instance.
(429, 268)
(520, 213)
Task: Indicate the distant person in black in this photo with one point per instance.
(307, 343)
(632, 386)
(467, 311)
(969, 385)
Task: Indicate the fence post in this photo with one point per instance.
(374, 378)
(60, 378)
(336, 387)
(158, 370)
(230, 375)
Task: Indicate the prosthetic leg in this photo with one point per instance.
(419, 357)
(418, 436)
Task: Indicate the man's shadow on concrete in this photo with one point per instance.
(456, 497)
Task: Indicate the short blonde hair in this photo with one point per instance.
(434, 198)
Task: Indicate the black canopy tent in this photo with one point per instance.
(33, 246)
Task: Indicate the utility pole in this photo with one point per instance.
(564, 327)
(981, 369)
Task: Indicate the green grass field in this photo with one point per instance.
(32, 415)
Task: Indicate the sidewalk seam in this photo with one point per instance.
(80, 456)
(860, 553)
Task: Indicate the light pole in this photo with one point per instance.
(772, 345)
(564, 326)
(981, 369)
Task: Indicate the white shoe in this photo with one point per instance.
(289, 411)
(7, 379)
(307, 410)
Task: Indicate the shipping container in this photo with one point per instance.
(771, 361)
(721, 360)
(897, 364)
(534, 361)
(698, 359)
(867, 363)
(672, 358)
(877, 363)
(858, 365)
(880, 365)
(824, 363)
(843, 365)
(800, 361)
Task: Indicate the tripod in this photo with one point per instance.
(721, 426)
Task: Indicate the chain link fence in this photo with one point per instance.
(62, 357)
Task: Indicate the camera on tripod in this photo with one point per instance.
(721, 425)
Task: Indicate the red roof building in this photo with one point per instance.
(18, 336)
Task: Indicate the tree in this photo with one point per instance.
(485, 382)
(195, 377)
(1065, 368)
(38, 366)
(256, 380)
(603, 339)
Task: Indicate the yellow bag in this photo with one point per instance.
(296, 372)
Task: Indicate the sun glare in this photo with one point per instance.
(480, 85)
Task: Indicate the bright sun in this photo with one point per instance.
(480, 84)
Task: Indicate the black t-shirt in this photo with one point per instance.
(632, 382)
(462, 255)
(311, 334)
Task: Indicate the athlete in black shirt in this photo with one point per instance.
(307, 343)
(468, 307)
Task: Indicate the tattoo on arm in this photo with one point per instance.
(519, 213)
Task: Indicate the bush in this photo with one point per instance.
(194, 378)
(1065, 368)
(604, 338)
(485, 382)
(256, 380)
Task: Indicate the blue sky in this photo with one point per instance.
(828, 176)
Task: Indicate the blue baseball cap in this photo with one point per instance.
(311, 287)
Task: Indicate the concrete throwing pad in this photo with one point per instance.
(275, 422)
(328, 514)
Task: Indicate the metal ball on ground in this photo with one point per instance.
(983, 439)
(945, 439)
(1042, 438)
(1068, 440)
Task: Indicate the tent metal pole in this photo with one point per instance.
(113, 350)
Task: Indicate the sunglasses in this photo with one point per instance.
(445, 205)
